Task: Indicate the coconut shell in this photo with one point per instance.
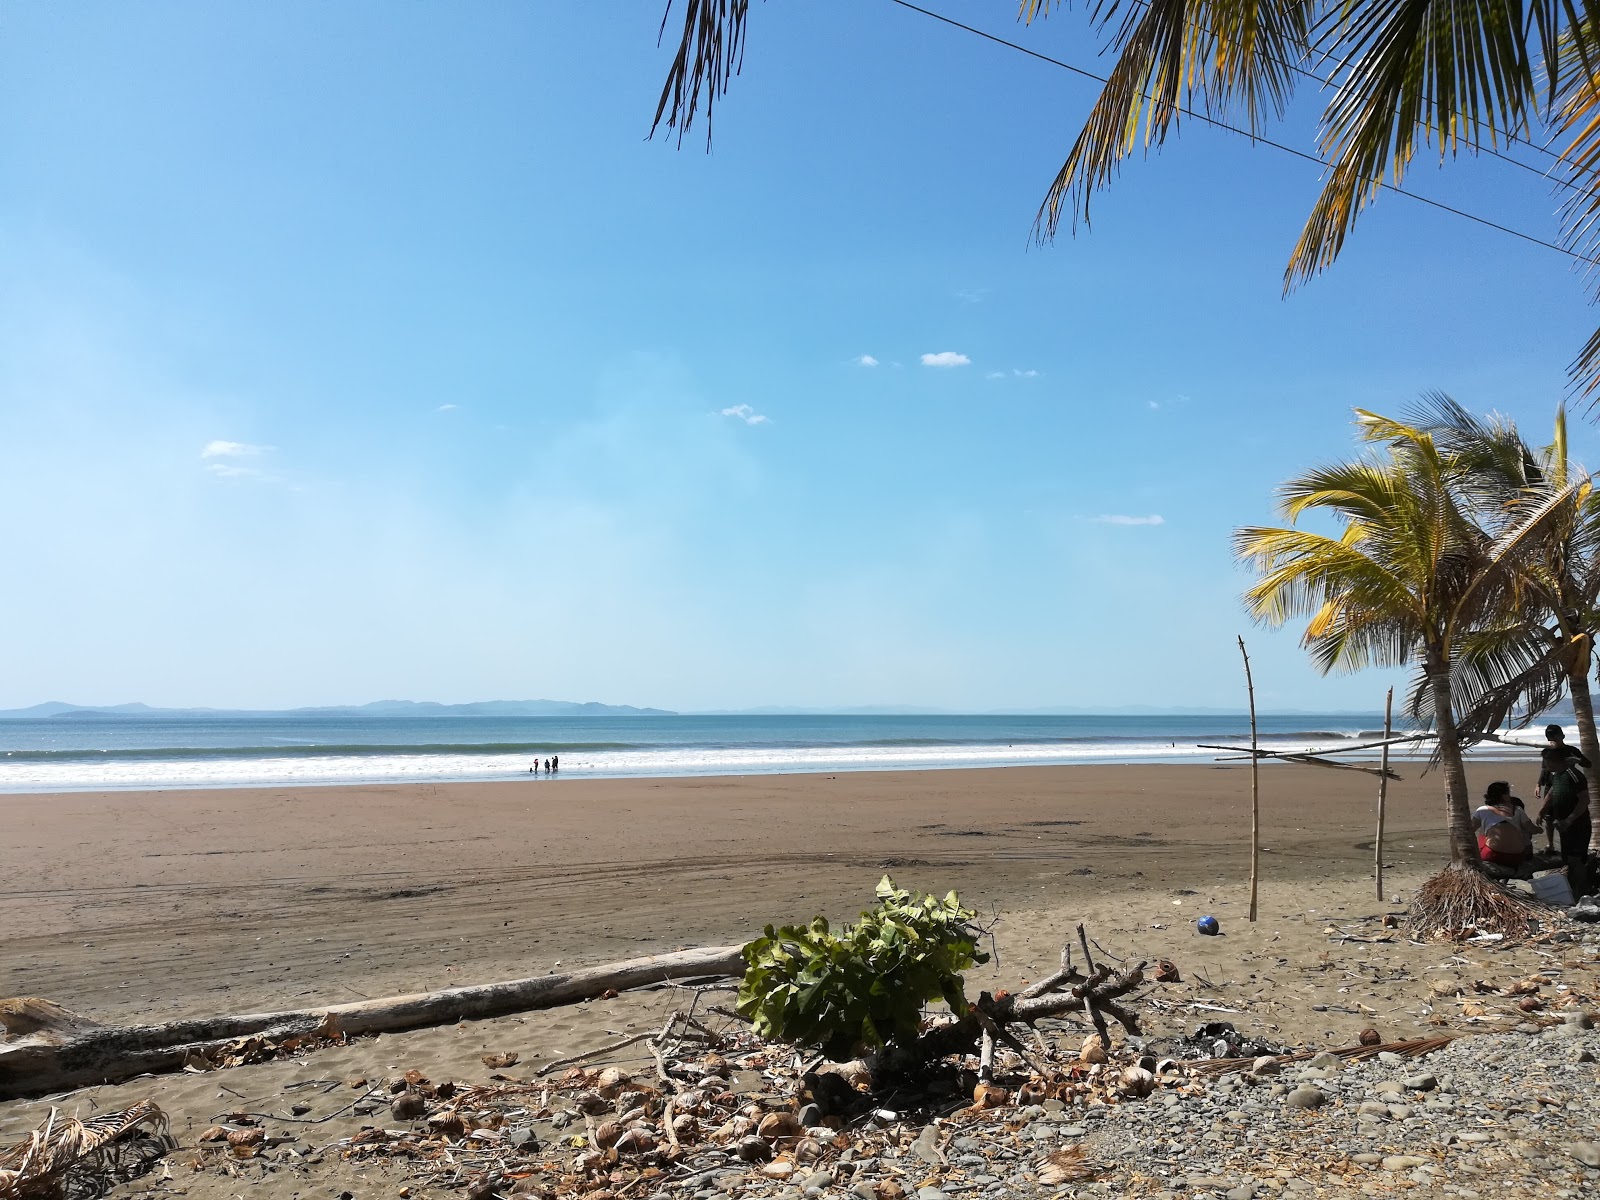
(637, 1140)
(606, 1134)
(1094, 1049)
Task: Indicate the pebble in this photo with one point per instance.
(1306, 1096)
(930, 1193)
(1420, 1083)
(1327, 1061)
(1402, 1162)
(1588, 1153)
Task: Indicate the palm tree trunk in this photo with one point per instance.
(1588, 742)
(1463, 842)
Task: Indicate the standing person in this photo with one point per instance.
(1565, 790)
(555, 762)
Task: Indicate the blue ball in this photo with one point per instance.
(1208, 926)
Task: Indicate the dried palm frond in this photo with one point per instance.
(1460, 901)
(39, 1166)
(1411, 1049)
(1067, 1165)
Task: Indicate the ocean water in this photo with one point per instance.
(78, 753)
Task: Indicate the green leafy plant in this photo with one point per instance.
(864, 986)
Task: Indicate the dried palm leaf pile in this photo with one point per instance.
(1459, 903)
(66, 1157)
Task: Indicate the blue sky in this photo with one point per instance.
(369, 350)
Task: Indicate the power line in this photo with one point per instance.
(1254, 137)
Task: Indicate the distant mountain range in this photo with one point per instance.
(379, 708)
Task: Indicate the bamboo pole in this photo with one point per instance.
(1383, 788)
(1255, 783)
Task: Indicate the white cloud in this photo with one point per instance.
(1118, 519)
(447, 408)
(230, 471)
(1024, 374)
(995, 375)
(946, 358)
(746, 414)
(1154, 404)
(220, 449)
(866, 360)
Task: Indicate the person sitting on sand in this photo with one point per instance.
(1502, 841)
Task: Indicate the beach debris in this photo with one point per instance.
(1167, 971)
(499, 1062)
(1209, 926)
(66, 1156)
(40, 1064)
(1462, 904)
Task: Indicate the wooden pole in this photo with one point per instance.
(1255, 784)
(1383, 787)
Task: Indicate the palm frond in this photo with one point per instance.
(710, 53)
(1226, 54)
(1409, 73)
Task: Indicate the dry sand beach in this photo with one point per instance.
(148, 906)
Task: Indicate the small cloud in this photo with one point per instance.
(230, 471)
(1024, 374)
(447, 408)
(1119, 519)
(865, 360)
(946, 358)
(1154, 404)
(220, 449)
(746, 414)
(995, 375)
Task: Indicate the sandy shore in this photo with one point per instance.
(160, 904)
(145, 906)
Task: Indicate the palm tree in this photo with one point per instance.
(1407, 580)
(1529, 657)
(1405, 74)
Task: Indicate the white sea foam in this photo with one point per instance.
(155, 772)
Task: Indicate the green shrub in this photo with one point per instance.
(864, 986)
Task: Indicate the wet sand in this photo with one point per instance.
(151, 905)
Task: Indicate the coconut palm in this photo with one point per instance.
(1526, 658)
(1410, 576)
(1401, 75)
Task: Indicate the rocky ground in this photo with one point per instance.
(1513, 1112)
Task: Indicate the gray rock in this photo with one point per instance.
(1588, 1153)
(809, 1115)
(926, 1147)
(1403, 1162)
(1306, 1096)
(1327, 1061)
(866, 1191)
(1243, 1192)
(1266, 1065)
(1367, 1160)
(1390, 1059)
(1420, 1083)
(522, 1138)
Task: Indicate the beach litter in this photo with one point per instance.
(67, 1156)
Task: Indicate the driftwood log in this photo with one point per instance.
(50, 1049)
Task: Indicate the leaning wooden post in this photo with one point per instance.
(1255, 783)
(1383, 787)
